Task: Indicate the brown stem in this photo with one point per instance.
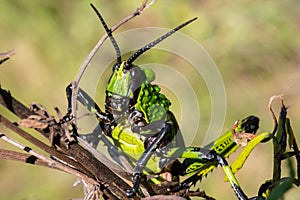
(55, 164)
(22, 157)
(103, 175)
(42, 145)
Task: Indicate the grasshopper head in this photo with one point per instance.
(127, 78)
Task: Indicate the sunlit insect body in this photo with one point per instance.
(138, 120)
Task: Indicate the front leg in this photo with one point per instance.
(105, 119)
(89, 103)
(141, 163)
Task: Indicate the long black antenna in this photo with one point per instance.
(155, 42)
(108, 31)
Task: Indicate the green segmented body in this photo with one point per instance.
(152, 103)
(133, 145)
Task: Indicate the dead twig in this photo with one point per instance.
(22, 157)
(79, 158)
(50, 162)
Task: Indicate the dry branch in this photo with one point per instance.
(82, 160)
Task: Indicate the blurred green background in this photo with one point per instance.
(255, 45)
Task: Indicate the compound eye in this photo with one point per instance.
(138, 75)
(135, 72)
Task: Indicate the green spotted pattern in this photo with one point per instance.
(152, 103)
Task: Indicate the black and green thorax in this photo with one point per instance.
(131, 95)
